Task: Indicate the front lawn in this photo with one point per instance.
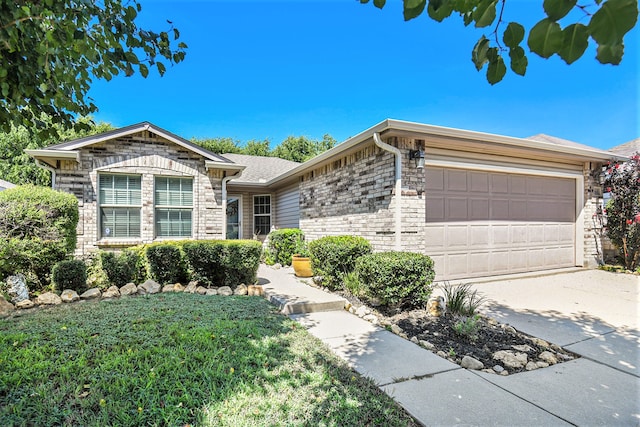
(177, 359)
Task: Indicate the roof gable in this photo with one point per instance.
(628, 148)
(133, 129)
(259, 169)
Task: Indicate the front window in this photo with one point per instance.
(262, 214)
(173, 206)
(120, 199)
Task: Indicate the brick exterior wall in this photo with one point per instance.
(597, 248)
(355, 195)
(147, 155)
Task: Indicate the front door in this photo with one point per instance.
(234, 217)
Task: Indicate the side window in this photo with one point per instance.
(120, 204)
(262, 214)
(173, 206)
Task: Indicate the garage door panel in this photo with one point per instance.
(434, 179)
(494, 223)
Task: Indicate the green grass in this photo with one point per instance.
(175, 360)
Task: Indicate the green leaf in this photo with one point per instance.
(575, 39)
(545, 38)
(558, 9)
(176, 34)
(438, 10)
(519, 61)
(379, 3)
(131, 57)
(610, 53)
(608, 27)
(479, 53)
(144, 71)
(161, 68)
(513, 34)
(413, 8)
(496, 70)
(485, 13)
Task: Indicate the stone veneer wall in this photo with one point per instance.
(147, 155)
(355, 194)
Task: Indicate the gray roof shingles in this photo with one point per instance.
(259, 169)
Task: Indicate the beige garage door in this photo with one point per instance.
(485, 223)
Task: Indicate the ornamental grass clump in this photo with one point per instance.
(462, 299)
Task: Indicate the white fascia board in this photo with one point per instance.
(54, 154)
(500, 139)
(211, 164)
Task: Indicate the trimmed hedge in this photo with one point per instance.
(334, 256)
(70, 274)
(223, 262)
(396, 278)
(166, 264)
(283, 244)
(124, 267)
(37, 229)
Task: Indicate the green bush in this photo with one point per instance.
(122, 268)
(32, 257)
(166, 264)
(205, 259)
(334, 256)
(37, 229)
(399, 279)
(283, 244)
(70, 274)
(241, 261)
(223, 262)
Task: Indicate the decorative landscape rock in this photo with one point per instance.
(225, 290)
(168, 288)
(548, 357)
(48, 298)
(396, 329)
(25, 304)
(128, 289)
(112, 292)
(469, 362)
(5, 307)
(69, 295)
(241, 290)
(149, 287)
(511, 359)
(436, 306)
(211, 291)
(201, 290)
(362, 311)
(255, 290)
(17, 289)
(178, 287)
(522, 348)
(92, 293)
(498, 369)
(191, 287)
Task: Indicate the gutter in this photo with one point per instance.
(224, 201)
(398, 211)
(43, 165)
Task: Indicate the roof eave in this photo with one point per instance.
(211, 164)
(53, 155)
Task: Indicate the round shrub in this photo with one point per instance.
(399, 279)
(70, 274)
(334, 256)
(283, 244)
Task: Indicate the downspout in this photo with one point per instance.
(224, 201)
(398, 212)
(50, 169)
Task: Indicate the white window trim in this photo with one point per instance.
(100, 236)
(172, 207)
(270, 214)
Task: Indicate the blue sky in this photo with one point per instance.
(270, 69)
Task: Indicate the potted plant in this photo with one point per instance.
(300, 260)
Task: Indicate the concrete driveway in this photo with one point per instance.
(594, 313)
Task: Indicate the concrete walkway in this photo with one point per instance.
(594, 315)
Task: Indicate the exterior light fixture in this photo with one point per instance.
(418, 156)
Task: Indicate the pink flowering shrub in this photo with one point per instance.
(622, 181)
